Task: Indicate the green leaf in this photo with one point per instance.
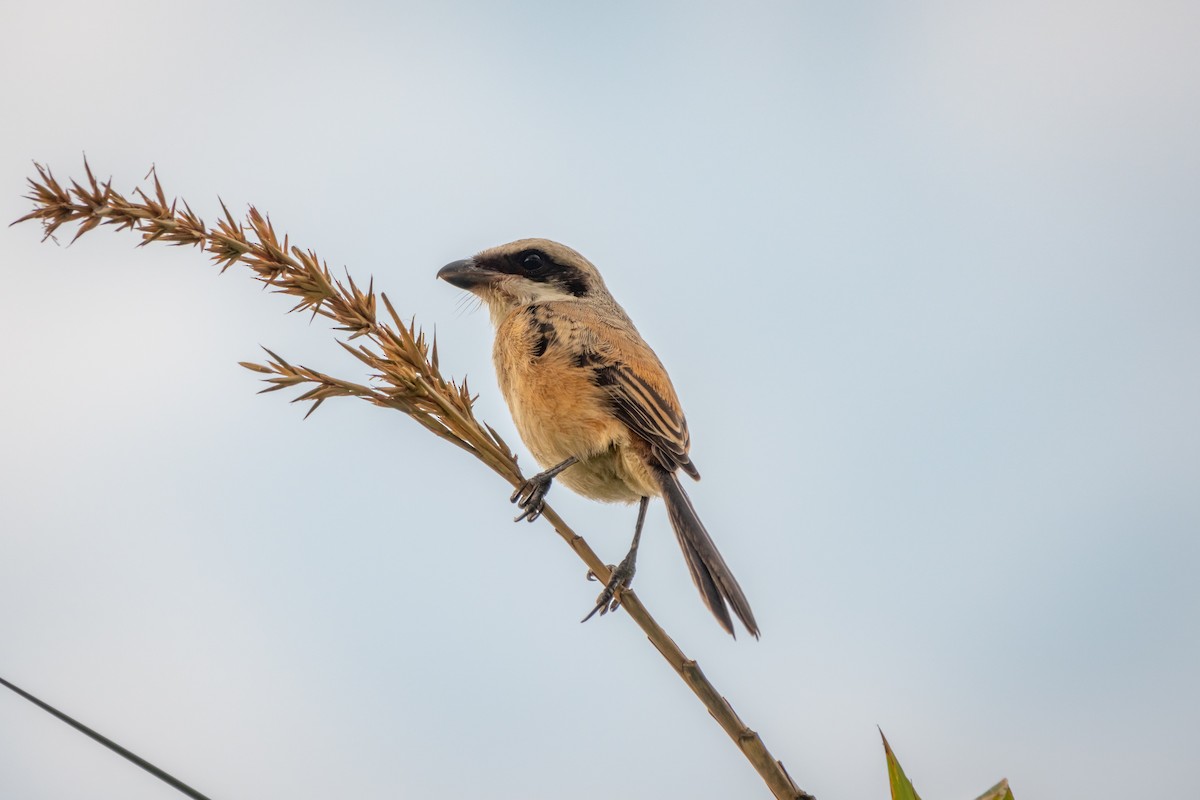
(998, 792)
(902, 788)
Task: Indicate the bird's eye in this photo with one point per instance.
(532, 261)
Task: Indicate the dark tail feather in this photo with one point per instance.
(709, 572)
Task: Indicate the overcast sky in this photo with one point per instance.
(925, 275)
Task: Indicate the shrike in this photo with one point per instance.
(593, 403)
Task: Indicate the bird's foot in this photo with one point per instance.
(530, 496)
(621, 578)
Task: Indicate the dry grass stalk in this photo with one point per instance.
(403, 362)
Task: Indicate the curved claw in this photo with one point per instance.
(529, 514)
(622, 577)
(603, 606)
(530, 496)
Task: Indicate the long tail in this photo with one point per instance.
(709, 571)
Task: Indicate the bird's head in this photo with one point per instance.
(526, 271)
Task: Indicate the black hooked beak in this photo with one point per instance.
(464, 274)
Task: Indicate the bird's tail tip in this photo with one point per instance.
(712, 576)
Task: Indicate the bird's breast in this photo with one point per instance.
(561, 412)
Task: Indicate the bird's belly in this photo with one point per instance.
(560, 413)
(612, 476)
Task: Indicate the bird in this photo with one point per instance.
(593, 403)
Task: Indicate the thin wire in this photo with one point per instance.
(165, 777)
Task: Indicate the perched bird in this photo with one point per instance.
(592, 402)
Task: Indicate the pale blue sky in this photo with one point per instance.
(926, 277)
